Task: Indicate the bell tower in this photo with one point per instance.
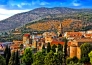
(60, 30)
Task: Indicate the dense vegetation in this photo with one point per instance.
(47, 56)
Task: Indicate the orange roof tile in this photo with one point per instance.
(73, 34)
(26, 35)
(88, 35)
(57, 42)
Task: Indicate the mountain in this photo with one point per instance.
(21, 19)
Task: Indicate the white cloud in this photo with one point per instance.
(44, 3)
(4, 13)
(76, 4)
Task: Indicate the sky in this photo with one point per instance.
(10, 7)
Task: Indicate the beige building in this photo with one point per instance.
(26, 39)
(74, 46)
(48, 36)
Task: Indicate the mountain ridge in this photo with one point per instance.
(21, 19)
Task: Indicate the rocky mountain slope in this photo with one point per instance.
(21, 19)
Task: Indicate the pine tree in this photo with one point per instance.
(48, 48)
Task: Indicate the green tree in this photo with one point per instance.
(48, 47)
(90, 56)
(43, 49)
(27, 56)
(85, 49)
(21, 46)
(7, 54)
(17, 62)
(60, 47)
(38, 59)
(74, 60)
(59, 58)
(2, 60)
(50, 59)
(65, 49)
(12, 59)
(54, 48)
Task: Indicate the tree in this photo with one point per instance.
(7, 54)
(17, 62)
(12, 59)
(74, 60)
(27, 56)
(60, 47)
(54, 48)
(43, 49)
(50, 59)
(48, 48)
(2, 60)
(5, 51)
(90, 56)
(65, 49)
(59, 58)
(85, 49)
(38, 59)
(21, 46)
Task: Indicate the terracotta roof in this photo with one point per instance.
(26, 35)
(56, 42)
(88, 35)
(73, 34)
(84, 40)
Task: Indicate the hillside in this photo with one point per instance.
(21, 19)
(68, 25)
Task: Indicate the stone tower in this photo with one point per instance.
(60, 30)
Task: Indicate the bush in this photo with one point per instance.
(74, 60)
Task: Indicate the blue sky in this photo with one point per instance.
(11, 7)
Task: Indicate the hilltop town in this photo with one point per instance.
(36, 41)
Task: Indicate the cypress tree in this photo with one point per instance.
(65, 49)
(17, 62)
(12, 59)
(48, 48)
(60, 47)
(7, 54)
(43, 49)
(54, 48)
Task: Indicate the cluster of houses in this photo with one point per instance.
(36, 42)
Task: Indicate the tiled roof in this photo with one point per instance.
(56, 42)
(73, 34)
(84, 40)
(26, 35)
(88, 35)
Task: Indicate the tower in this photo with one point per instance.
(26, 39)
(60, 30)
